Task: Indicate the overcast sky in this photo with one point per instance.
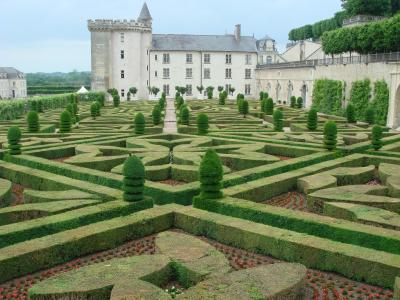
(51, 35)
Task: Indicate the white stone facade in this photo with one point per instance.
(12, 84)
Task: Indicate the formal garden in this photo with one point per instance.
(248, 199)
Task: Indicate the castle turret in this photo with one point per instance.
(145, 16)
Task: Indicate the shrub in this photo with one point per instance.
(312, 119)
(360, 95)
(330, 135)
(263, 105)
(156, 115)
(220, 89)
(244, 107)
(33, 121)
(116, 100)
(222, 97)
(134, 178)
(98, 108)
(269, 107)
(40, 106)
(70, 108)
(210, 175)
(14, 137)
(381, 102)
(351, 114)
(210, 92)
(293, 102)
(65, 122)
(376, 137)
(263, 95)
(299, 103)
(278, 120)
(140, 123)
(239, 97)
(93, 110)
(179, 102)
(370, 115)
(185, 115)
(202, 124)
(133, 91)
(327, 96)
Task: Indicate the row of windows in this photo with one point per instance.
(206, 58)
(206, 74)
(189, 87)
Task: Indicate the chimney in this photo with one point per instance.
(238, 32)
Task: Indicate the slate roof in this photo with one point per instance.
(211, 43)
(11, 73)
(144, 14)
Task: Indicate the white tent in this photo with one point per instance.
(83, 90)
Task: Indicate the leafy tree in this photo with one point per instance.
(312, 120)
(202, 124)
(200, 89)
(370, 115)
(210, 92)
(33, 121)
(330, 135)
(220, 89)
(367, 7)
(293, 102)
(351, 114)
(156, 115)
(65, 122)
(299, 102)
(244, 108)
(269, 106)
(185, 115)
(278, 120)
(377, 137)
(222, 97)
(14, 137)
(232, 90)
(133, 91)
(134, 178)
(210, 175)
(140, 123)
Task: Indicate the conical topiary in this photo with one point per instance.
(222, 97)
(116, 99)
(14, 137)
(278, 120)
(33, 121)
(134, 178)
(70, 108)
(269, 107)
(140, 123)
(330, 135)
(293, 102)
(376, 139)
(210, 175)
(370, 115)
(312, 119)
(65, 122)
(202, 124)
(351, 114)
(185, 115)
(244, 107)
(156, 115)
(299, 102)
(93, 110)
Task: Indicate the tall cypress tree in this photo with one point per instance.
(210, 175)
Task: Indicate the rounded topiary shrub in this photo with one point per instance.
(299, 103)
(293, 102)
(278, 120)
(14, 137)
(351, 114)
(140, 123)
(370, 115)
(116, 100)
(33, 121)
(244, 107)
(134, 177)
(330, 135)
(202, 124)
(70, 108)
(376, 139)
(156, 115)
(93, 110)
(269, 107)
(65, 122)
(312, 119)
(185, 115)
(210, 175)
(222, 97)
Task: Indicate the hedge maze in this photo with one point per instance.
(296, 221)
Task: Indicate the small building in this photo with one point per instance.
(12, 83)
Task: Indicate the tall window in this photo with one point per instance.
(247, 74)
(207, 73)
(189, 58)
(122, 54)
(155, 57)
(248, 59)
(207, 58)
(122, 93)
(189, 89)
(269, 59)
(166, 58)
(189, 73)
(122, 74)
(228, 73)
(228, 58)
(122, 37)
(166, 73)
(227, 88)
(155, 74)
(247, 89)
(166, 89)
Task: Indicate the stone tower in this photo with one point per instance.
(120, 54)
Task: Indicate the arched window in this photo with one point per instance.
(269, 59)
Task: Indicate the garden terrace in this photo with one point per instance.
(297, 219)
